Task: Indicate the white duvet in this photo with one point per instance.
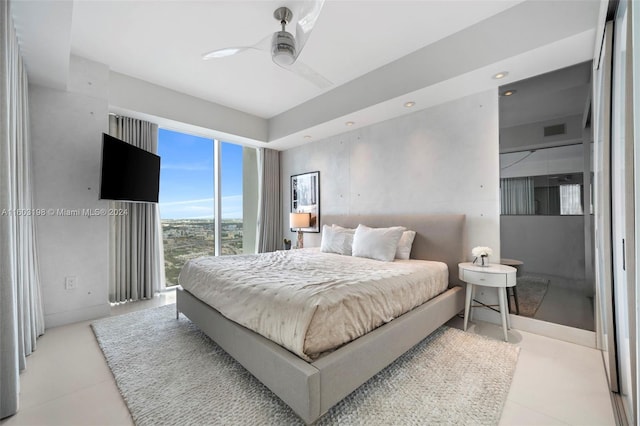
(308, 301)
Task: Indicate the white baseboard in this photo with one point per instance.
(543, 328)
(77, 315)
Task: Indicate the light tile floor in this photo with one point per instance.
(67, 381)
(555, 382)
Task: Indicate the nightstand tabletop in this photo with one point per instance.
(493, 268)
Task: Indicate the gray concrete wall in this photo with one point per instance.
(551, 245)
(531, 135)
(66, 132)
(443, 159)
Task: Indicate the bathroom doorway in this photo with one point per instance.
(546, 223)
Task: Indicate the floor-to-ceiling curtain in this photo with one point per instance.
(517, 196)
(21, 315)
(136, 254)
(269, 206)
(570, 199)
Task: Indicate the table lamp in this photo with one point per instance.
(299, 221)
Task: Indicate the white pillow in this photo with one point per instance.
(336, 239)
(347, 230)
(404, 245)
(376, 243)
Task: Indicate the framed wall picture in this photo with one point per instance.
(305, 198)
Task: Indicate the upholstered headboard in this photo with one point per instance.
(438, 237)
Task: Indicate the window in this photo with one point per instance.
(188, 194)
(542, 195)
(545, 181)
(186, 199)
(231, 187)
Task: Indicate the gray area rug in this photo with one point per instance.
(170, 373)
(531, 292)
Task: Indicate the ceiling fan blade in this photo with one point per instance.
(309, 13)
(230, 51)
(305, 71)
(223, 53)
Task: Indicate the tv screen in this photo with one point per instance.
(128, 173)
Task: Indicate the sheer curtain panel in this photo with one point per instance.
(136, 253)
(517, 196)
(21, 315)
(270, 206)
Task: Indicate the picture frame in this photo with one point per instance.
(305, 198)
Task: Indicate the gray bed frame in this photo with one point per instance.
(312, 388)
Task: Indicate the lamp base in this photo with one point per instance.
(300, 242)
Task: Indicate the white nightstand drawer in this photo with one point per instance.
(484, 278)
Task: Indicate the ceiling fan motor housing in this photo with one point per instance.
(283, 48)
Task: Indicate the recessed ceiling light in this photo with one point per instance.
(500, 75)
(307, 136)
(509, 92)
(349, 123)
(409, 104)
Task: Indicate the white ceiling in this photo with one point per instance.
(162, 42)
(353, 42)
(544, 97)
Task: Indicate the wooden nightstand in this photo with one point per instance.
(494, 275)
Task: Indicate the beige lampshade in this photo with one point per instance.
(300, 220)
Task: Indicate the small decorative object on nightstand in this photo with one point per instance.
(481, 255)
(495, 275)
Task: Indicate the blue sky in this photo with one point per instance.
(186, 177)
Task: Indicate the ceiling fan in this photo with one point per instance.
(284, 47)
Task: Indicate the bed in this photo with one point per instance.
(311, 385)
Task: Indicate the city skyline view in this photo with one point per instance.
(186, 199)
(187, 177)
